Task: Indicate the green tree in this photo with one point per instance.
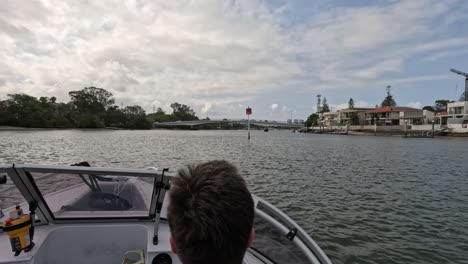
(92, 100)
(388, 101)
(354, 119)
(114, 117)
(429, 108)
(161, 118)
(48, 112)
(26, 111)
(135, 117)
(441, 105)
(89, 108)
(90, 105)
(351, 103)
(312, 120)
(88, 120)
(64, 115)
(5, 115)
(159, 111)
(183, 112)
(325, 106)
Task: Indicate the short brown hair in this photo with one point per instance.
(210, 213)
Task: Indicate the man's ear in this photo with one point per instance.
(251, 237)
(171, 241)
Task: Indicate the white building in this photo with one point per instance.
(394, 115)
(429, 116)
(457, 113)
(329, 119)
(345, 115)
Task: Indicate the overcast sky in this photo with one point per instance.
(221, 56)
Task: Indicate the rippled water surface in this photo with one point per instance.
(363, 199)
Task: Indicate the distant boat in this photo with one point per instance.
(265, 129)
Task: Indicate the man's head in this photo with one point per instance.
(210, 214)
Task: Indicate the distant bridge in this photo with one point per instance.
(196, 123)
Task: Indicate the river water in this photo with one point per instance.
(363, 199)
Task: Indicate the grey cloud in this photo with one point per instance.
(15, 31)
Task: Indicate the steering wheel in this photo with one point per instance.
(108, 202)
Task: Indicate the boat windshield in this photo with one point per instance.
(9, 193)
(71, 193)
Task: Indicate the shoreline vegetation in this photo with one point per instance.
(90, 107)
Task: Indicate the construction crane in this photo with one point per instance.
(466, 80)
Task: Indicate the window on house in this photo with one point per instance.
(456, 110)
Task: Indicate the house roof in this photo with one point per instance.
(356, 109)
(387, 109)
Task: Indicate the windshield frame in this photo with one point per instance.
(21, 175)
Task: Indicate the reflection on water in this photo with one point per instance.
(363, 199)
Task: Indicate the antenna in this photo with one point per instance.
(319, 102)
(389, 87)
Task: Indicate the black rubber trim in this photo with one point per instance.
(11, 228)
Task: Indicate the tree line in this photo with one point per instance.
(90, 107)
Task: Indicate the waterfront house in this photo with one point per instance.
(457, 114)
(344, 115)
(394, 115)
(329, 119)
(428, 116)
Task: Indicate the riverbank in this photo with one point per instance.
(12, 128)
(388, 131)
